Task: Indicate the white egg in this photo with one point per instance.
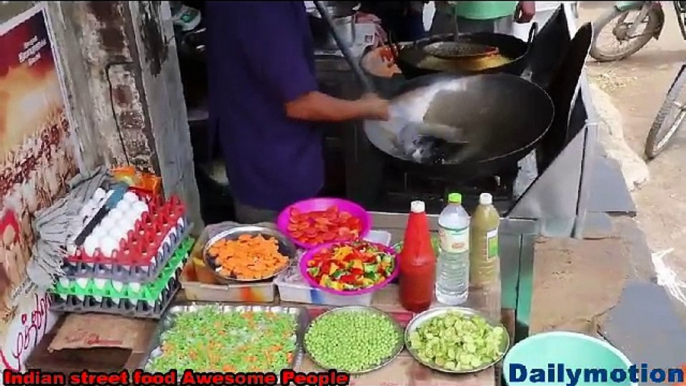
(125, 231)
(141, 207)
(99, 283)
(130, 197)
(90, 245)
(117, 231)
(124, 224)
(124, 206)
(108, 245)
(99, 194)
(99, 232)
(116, 214)
(132, 217)
(117, 285)
(82, 282)
(107, 222)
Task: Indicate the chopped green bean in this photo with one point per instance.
(455, 341)
(213, 340)
(352, 341)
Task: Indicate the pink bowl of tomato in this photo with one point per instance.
(318, 221)
(349, 268)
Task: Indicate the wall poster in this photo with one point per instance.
(36, 161)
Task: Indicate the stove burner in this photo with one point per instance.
(399, 188)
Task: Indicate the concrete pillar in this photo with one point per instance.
(122, 75)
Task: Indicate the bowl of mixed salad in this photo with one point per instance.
(349, 268)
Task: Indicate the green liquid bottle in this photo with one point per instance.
(484, 260)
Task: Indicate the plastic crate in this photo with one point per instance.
(245, 293)
(292, 287)
(303, 293)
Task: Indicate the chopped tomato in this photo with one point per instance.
(319, 226)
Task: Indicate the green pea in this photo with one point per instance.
(351, 341)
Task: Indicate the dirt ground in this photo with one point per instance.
(637, 87)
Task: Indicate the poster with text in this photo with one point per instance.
(36, 151)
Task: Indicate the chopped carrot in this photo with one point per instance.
(248, 257)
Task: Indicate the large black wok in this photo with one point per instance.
(502, 117)
(412, 60)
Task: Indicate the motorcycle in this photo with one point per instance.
(625, 27)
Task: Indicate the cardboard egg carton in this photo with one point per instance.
(117, 290)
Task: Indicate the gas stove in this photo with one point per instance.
(391, 189)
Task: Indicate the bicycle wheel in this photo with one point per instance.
(669, 118)
(615, 21)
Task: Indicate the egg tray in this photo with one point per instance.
(128, 273)
(146, 292)
(142, 243)
(124, 307)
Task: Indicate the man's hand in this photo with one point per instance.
(362, 17)
(375, 107)
(525, 11)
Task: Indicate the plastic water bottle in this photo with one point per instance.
(452, 281)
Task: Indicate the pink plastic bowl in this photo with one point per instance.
(310, 254)
(322, 204)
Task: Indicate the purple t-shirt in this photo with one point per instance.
(260, 56)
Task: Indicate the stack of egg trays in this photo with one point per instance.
(146, 301)
(132, 273)
(176, 231)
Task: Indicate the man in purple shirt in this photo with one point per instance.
(263, 100)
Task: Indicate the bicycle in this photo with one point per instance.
(649, 14)
(669, 118)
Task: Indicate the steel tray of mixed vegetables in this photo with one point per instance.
(211, 339)
(351, 266)
(458, 343)
(353, 341)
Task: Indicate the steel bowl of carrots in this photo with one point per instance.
(248, 253)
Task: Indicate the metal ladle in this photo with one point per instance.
(412, 131)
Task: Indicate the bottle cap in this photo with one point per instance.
(485, 199)
(455, 198)
(417, 207)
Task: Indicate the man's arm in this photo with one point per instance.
(278, 56)
(317, 106)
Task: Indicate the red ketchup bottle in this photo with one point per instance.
(417, 262)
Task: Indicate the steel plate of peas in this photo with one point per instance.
(445, 333)
(395, 351)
